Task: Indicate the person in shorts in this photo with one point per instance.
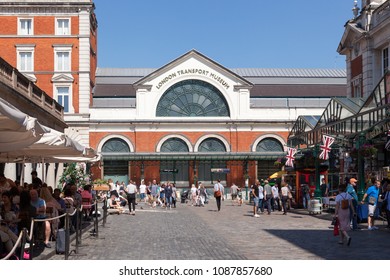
(372, 193)
(255, 193)
(234, 192)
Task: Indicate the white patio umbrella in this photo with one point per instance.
(17, 129)
(52, 144)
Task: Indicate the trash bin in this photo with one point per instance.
(315, 206)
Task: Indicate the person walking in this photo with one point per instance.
(218, 191)
(305, 195)
(202, 194)
(285, 190)
(255, 194)
(372, 193)
(387, 208)
(275, 193)
(268, 196)
(343, 205)
(142, 191)
(168, 195)
(351, 191)
(234, 192)
(131, 191)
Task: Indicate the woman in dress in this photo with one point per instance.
(343, 215)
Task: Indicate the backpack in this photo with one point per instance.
(344, 203)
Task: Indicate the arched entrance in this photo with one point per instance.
(267, 167)
(173, 170)
(117, 170)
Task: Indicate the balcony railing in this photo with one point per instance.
(12, 78)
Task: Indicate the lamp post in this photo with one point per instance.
(361, 183)
(317, 192)
(246, 178)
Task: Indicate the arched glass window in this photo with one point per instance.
(212, 145)
(117, 170)
(115, 145)
(174, 145)
(269, 145)
(192, 98)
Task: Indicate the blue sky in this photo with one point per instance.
(234, 33)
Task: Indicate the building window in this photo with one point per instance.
(62, 61)
(192, 98)
(115, 145)
(25, 63)
(62, 26)
(212, 145)
(269, 145)
(385, 60)
(174, 145)
(25, 26)
(357, 86)
(63, 97)
(25, 58)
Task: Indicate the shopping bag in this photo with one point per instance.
(336, 228)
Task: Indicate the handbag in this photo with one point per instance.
(217, 193)
(371, 200)
(289, 195)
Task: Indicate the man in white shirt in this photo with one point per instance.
(275, 193)
(142, 191)
(218, 193)
(131, 190)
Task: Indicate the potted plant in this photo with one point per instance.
(101, 185)
(368, 150)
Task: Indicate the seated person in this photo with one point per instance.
(40, 206)
(86, 196)
(9, 212)
(114, 206)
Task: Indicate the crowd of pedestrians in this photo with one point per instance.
(19, 204)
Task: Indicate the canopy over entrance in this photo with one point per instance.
(191, 156)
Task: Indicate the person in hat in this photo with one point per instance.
(352, 192)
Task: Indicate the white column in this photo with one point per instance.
(27, 173)
(10, 171)
(84, 62)
(50, 176)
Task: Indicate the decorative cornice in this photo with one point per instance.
(64, 78)
(70, 9)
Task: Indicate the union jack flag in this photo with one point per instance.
(290, 156)
(327, 142)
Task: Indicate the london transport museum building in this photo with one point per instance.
(193, 119)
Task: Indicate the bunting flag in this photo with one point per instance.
(290, 156)
(327, 142)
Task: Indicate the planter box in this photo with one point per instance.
(102, 187)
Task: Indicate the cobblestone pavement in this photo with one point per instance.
(202, 233)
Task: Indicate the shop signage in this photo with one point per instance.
(169, 170)
(193, 71)
(220, 170)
